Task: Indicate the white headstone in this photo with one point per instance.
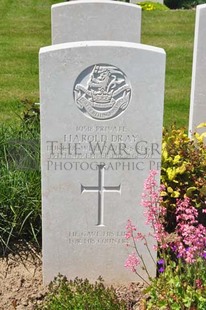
(101, 122)
(95, 20)
(198, 89)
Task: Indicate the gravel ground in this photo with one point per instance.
(21, 285)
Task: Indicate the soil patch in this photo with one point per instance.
(21, 286)
(21, 280)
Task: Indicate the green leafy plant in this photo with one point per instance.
(81, 295)
(152, 6)
(183, 172)
(20, 194)
(181, 283)
(180, 287)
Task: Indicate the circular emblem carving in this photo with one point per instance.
(102, 92)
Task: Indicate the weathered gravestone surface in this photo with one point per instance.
(95, 20)
(101, 125)
(198, 89)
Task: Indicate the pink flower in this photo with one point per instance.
(139, 236)
(192, 235)
(198, 283)
(154, 211)
(132, 262)
(129, 230)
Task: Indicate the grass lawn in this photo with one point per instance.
(173, 31)
(25, 27)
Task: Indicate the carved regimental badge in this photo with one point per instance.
(102, 92)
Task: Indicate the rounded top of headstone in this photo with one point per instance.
(77, 2)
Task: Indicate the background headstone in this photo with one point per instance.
(101, 128)
(95, 20)
(198, 89)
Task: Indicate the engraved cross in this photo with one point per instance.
(100, 189)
